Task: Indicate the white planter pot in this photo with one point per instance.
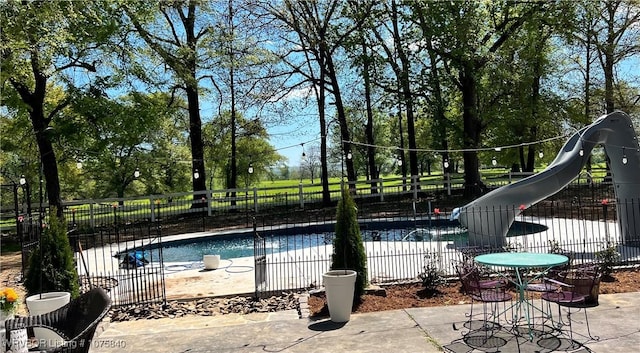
(44, 303)
(4, 316)
(211, 262)
(340, 287)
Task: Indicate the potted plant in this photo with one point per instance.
(51, 279)
(8, 304)
(346, 281)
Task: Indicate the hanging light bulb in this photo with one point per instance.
(581, 152)
(23, 180)
(79, 164)
(196, 174)
(136, 173)
(624, 156)
(399, 162)
(446, 163)
(250, 170)
(494, 162)
(349, 155)
(540, 154)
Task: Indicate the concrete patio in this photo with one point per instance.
(615, 320)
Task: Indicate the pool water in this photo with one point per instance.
(241, 245)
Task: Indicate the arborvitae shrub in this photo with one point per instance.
(348, 248)
(51, 264)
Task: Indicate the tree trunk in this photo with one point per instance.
(473, 185)
(407, 96)
(39, 123)
(371, 150)
(197, 148)
(342, 120)
(50, 171)
(609, 47)
(440, 120)
(195, 123)
(326, 195)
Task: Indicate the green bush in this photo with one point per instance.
(608, 258)
(51, 264)
(348, 249)
(432, 276)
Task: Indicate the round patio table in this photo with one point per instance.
(522, 260)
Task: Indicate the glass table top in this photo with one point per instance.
(521, 259)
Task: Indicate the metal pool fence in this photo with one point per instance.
(589, 233)
(581, 219)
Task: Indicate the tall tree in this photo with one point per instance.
(39, 49)
(399, 57)
(468, 35)
(244, 75)
(320, 33)
(359, 48)
(616, 38)
(179, 46)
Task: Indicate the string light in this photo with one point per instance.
(22, 180)
(446, 164)
(624, 156)
(498, 149)
(136, 173)
(250, 170)
(349, 155)
(79, 164)
(540, 154)
(196, 174)
(494, 162)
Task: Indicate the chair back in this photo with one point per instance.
(86, 311)
(469, 276)
(583, 279)
(82, 315)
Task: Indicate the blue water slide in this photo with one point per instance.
(489, 217)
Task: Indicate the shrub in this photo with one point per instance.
(607, 258)
(348, 249)
(432, 277)
(51, 264)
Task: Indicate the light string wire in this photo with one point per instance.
(497, 148)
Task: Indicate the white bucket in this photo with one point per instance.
(211, 262)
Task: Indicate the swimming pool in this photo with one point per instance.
(280, 240)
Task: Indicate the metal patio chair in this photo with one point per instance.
(490, 292)
(571, 297)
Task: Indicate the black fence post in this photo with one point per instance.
(204, 213)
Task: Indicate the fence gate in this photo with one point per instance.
(125, 259)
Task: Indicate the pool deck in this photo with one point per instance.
(416, 330)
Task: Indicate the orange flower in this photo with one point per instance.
(8, 300)
(11, 295)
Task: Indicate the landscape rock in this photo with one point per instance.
(205, 307)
